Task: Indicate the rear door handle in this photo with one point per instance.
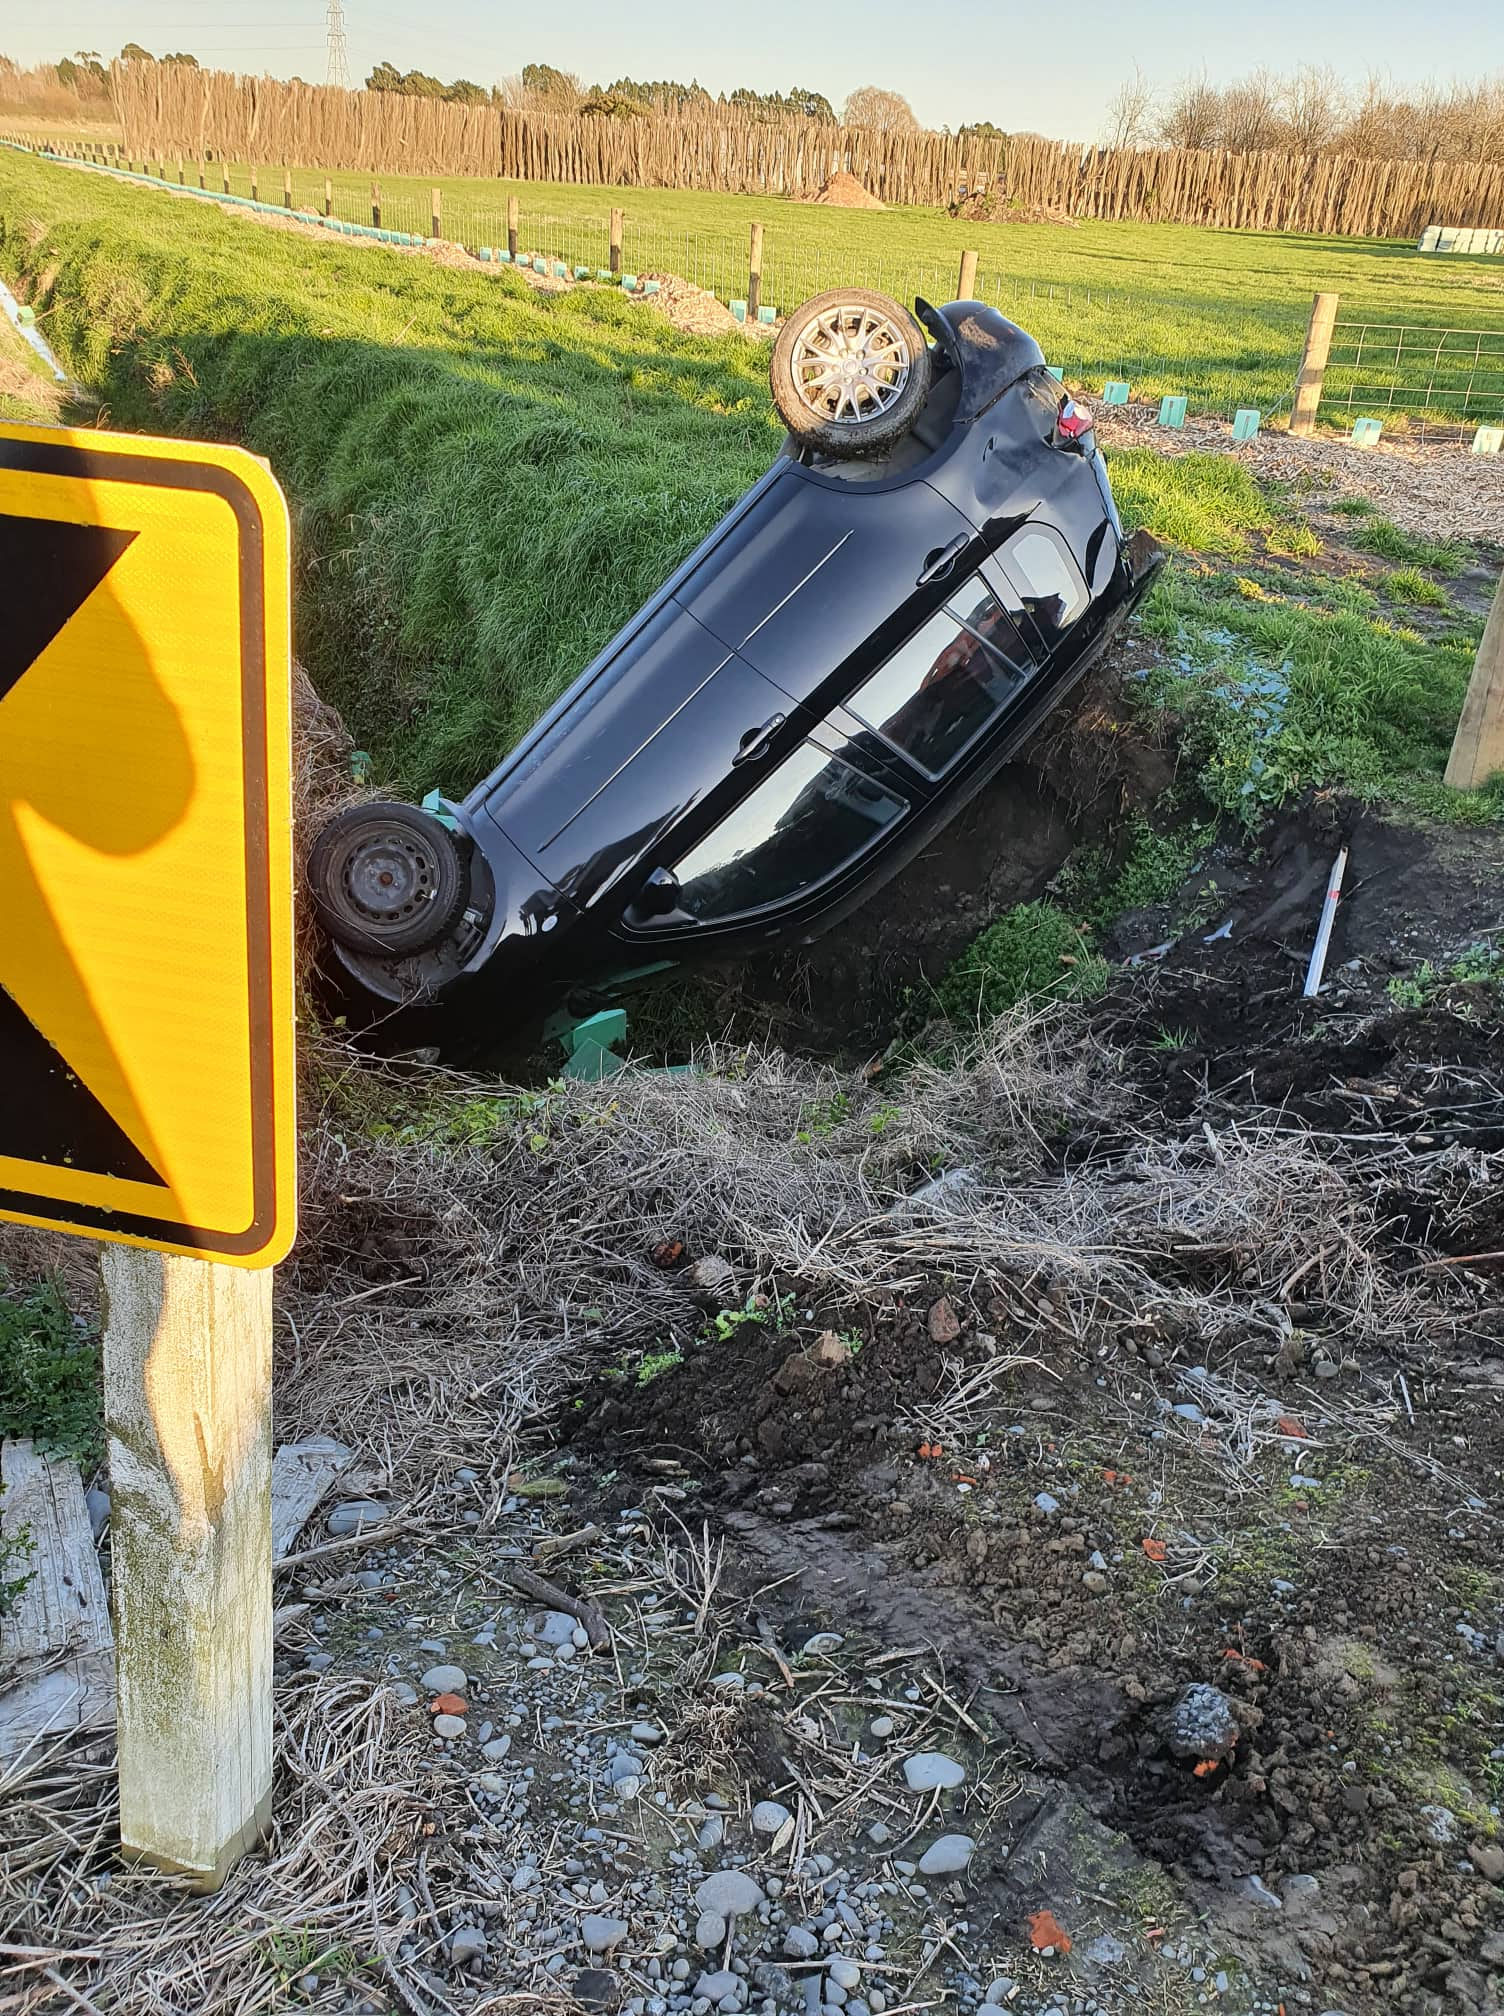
(755, 742)
(942, 562)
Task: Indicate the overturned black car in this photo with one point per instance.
(933, 560)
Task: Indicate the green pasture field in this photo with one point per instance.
(1218, 315)
(488, 481)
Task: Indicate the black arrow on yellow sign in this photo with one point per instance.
(49, 569)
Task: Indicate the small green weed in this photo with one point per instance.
(1293, 539)
(1408, 584)
(1389, 542)
(823, 1116)
(49, 1374)
(1480, 962)
(1413, 990)
(1034, 952)
(775, 1310)
(1356, 507)
(1173, 1039)
(654, 1364)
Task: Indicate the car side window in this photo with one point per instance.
(805, 821)
(944, 684)
(1046, 576)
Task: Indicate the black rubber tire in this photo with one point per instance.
(430, 885)
(847, 439)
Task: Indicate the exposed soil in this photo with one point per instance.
(845, 192)
(995, 206)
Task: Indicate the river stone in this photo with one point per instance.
(845, 1974)
(553, 1628)
(947, 1855)
(768, 1816)
(600, 1934)
(449, 1726)
(730, 1892)
(722, 1982)
(445, 1680)
(800, 1943)
(931, 1771)
(356, 1513)
(710, 1931)
(467, 1943)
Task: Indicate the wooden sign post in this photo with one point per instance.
(1478, 747)
(146, 1048)
(188, 1409)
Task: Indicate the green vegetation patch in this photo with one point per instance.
(1409, 585)
(1205, 503)
(1389, 542)
(1033, 952)
(49, 1374)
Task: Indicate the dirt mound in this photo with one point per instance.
(689, 307)
(845, 193)
(995, 206)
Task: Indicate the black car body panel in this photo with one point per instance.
(852, 652)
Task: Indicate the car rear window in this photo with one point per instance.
(940, 689)
(1047, 577)
(805, 821)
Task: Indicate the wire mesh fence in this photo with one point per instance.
(1432, 380)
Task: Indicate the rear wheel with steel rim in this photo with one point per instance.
(387, 878)
(850, 372)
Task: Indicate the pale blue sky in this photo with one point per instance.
(1047, 69)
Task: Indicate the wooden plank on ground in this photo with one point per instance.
(301, 1473)
(57, 1665)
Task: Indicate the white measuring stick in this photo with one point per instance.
(1324, 928)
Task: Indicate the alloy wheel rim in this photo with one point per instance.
(850, 364)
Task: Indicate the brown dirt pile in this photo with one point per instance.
(993, 206)
(689, 307)
(845, 193)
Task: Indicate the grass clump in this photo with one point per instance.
(1033, 952)
(1408, 584)
(1390, 542)
(49, 1375)
(1356, 507)
(1205, 503)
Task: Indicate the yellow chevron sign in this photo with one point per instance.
(146, 991)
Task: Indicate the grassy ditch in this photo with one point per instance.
(487, 481)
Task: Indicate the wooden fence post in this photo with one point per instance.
(255, 186)
(203, 174)
(1313, 364)
(436, 218)
(376, 205)
(187, 1386)
(328, 196)
(225, 172)
(615, 259)
(287, 188)
(1478, 747)
(754, 273)
(182, 178)
(966, 282)
(513, 222)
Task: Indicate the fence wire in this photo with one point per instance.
(1437, 380)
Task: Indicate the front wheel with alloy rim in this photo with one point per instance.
(850, 372)
(388, 879)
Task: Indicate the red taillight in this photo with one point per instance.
(1073, 421)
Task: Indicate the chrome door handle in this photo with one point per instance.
(942, 562)
(755, 742)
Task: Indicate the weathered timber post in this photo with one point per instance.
(225, 176)
(615, 259)
(754, 273)
(513, 223)
(287, 188)
(436, 217)
(966, 280)
(1478, 747)
(182, 178)
(1313, 364)
(328, 196)
(376, 205)
(255, 185)
(187, 1388)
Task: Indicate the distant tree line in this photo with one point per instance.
(1312, 111)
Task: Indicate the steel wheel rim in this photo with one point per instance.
(387, 877)
(851, 364)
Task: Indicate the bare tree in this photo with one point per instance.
(1250, 120)
(1312, 108)
(1130, 112)
(879, 111)
(1192, 116)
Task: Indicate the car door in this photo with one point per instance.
(808, 831)
(825, 578)
(675, 721)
